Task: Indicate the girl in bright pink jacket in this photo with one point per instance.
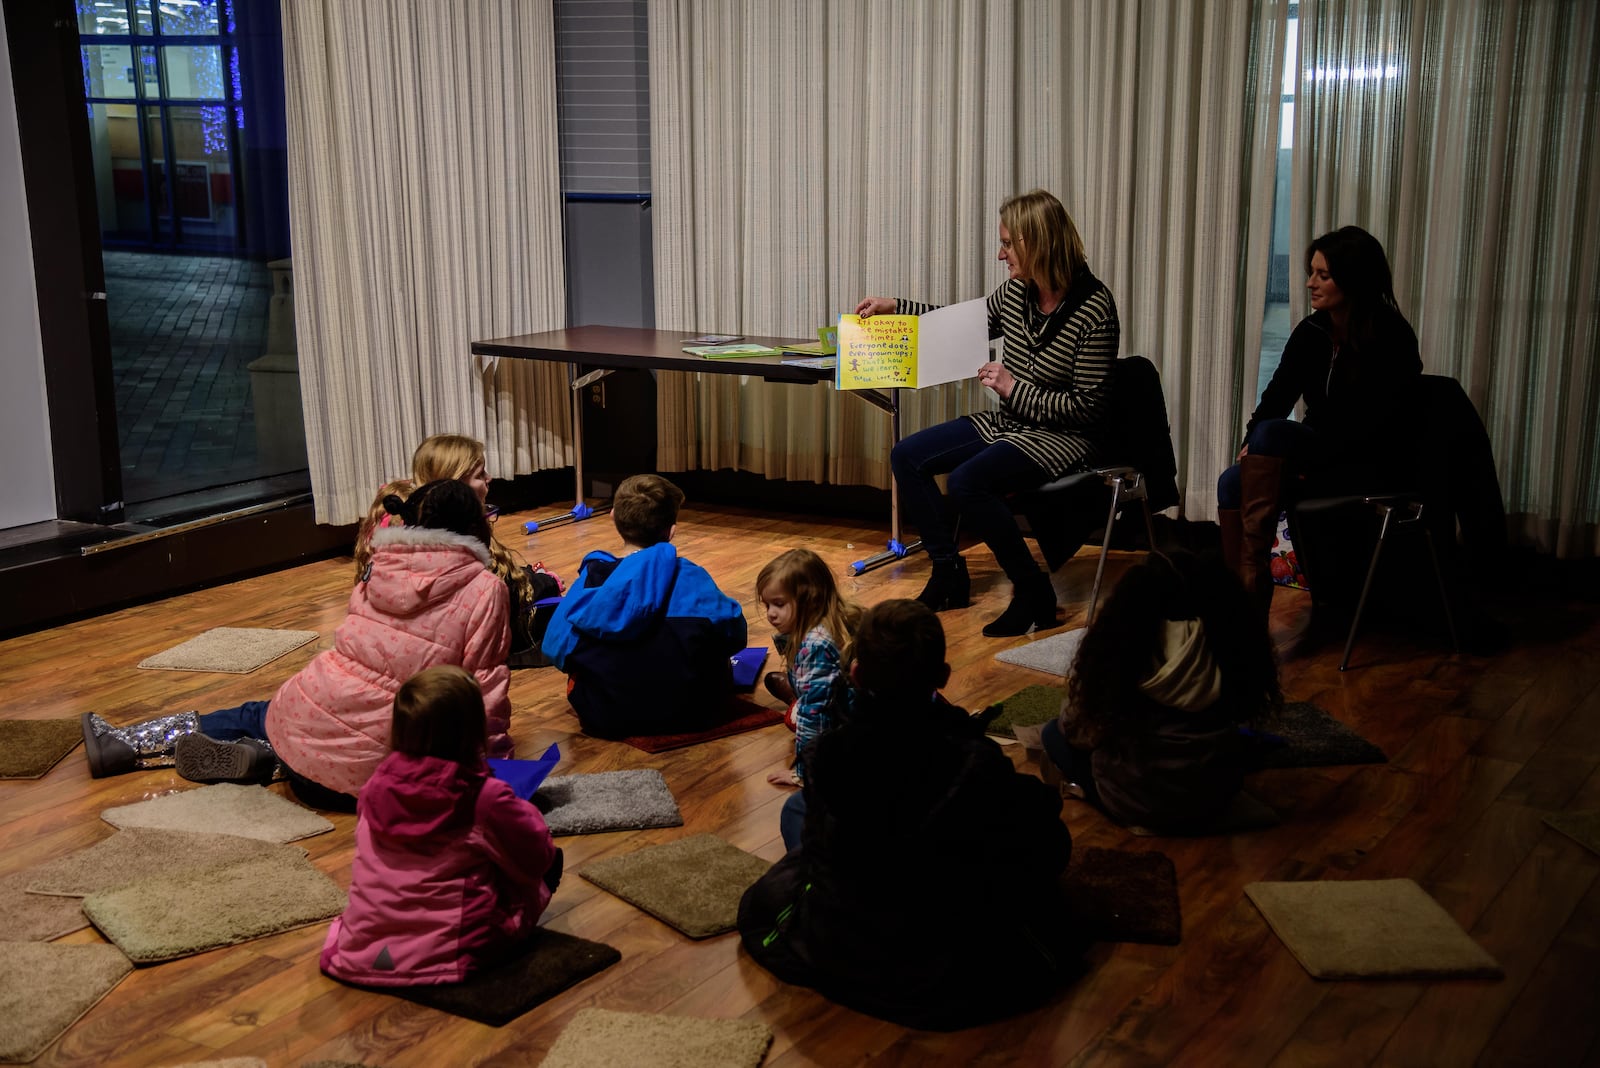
(428, 597)
(452, 870)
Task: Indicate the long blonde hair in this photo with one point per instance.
(817, 601)
(442, 456)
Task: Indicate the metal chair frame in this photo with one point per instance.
(1409, 510)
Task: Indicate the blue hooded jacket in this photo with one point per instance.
(646, 641)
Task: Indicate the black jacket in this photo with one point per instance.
(924, 889)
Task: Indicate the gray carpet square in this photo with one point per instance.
(607, 801)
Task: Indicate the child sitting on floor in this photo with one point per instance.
(1173, 665)
(645, 638)
(452, 870)
(428, 598)
(924, 889)
(814, 624)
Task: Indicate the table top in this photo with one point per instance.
(624, 347)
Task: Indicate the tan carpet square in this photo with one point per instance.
(46, 989)
(139, 853)
(1374, 929)
(169, 917)
(235, 650)
(247, 811)
(601, 1038)
(694, 884)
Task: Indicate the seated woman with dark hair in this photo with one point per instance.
(1173, 665)
(1354, 361)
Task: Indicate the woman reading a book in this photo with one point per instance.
(1054, 384)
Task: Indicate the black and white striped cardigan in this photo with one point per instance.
(1057, 414)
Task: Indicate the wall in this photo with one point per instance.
(29, 495)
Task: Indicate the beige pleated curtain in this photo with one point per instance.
(806, 155)
(1464, 134)
(424, 197)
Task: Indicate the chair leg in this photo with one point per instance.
(1149, 524)
(1444, 594)
(1105, 547)
(1366, 587)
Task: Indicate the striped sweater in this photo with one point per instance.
(1056, 414)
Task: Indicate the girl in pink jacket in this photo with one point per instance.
(452, 870)
(428, 598)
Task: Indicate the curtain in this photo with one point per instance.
(425, 205)
(807, 155)
(1463, 135)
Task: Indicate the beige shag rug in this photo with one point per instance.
(235, 650)
(1370, 929)
(141, 853)
(31, 747)
(601, 1038)
(26, 917)
(46, 989)
(1053, 654)
(694, 884)
(169, 917)
(247, 811)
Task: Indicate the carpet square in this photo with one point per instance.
(1053, 654)
(1124, 896)
(600, 1038)
(1370, 929)
(26, 917)
(1030, 706)
(138, 853)
(248, 811)
(743, 715)
(166, 918)
(45, 989)
(607, 801)
(549, 963)
(1312, 738)
(31, 747)
(235, 650)
(693, 884)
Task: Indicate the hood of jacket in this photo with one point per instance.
(632, 598)
(414, 568)
(1185, 676)
(416, 797)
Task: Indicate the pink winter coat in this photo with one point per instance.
(448, 875)
(429, 599)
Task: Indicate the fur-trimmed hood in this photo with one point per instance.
(416, 567)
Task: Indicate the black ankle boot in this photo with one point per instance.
(1033, 604)
(948, 587)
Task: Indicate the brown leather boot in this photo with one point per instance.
(1261, 480)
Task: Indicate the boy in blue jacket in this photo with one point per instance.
(645, 638)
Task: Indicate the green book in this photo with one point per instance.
(729, 352)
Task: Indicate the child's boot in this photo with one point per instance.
(203, 759)
(115, 750)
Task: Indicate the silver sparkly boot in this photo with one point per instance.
(115, 750)
(204, 759)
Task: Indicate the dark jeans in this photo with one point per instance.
(249, 720)
(1074, 763)
(981, 478)
(792, 820)
(1298, 445)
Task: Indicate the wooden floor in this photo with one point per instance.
(1479, 750)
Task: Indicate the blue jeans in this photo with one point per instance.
(249, 720)
(1296, 443)
(792, 820)
(982, 476)
(1076, 764)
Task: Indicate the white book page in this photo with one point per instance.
(952, 342)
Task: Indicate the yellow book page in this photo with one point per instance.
(879, 352)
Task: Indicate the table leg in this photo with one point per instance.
(580, 508)
(896, 550)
